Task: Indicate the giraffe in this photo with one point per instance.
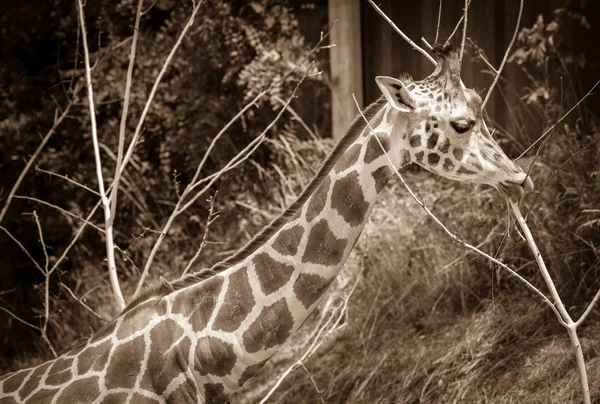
(198, 339)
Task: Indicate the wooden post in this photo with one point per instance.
(346, 63)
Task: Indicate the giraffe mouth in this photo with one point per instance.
(516, 189)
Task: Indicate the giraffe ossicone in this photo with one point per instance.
(202, 337)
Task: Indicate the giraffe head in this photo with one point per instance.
(443, 130)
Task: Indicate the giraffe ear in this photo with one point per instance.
(396, 93)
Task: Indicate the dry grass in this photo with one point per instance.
(419, 330)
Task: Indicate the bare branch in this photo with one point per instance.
(402, 34)
(123, 124)
(66, 178)
(22, 247)
(81, 302)
(456, 26)
(138, 129)
(566, 318)
(37, 151)
(209, 220)
(505, 58)
(235, 161)
(437, 28)
(61, 210)
(551, 128)
(478, 51)
(464, 36)
(108, 236)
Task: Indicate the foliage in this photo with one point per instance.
(234, 50)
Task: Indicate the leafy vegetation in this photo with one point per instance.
(426, 322)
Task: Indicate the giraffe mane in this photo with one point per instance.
(164, 287)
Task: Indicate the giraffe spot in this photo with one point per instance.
(93, 358)
(271, 328)
(238, 302)
(348, 159)
(251, 371)
(214, 356)
(114, 398)
(433, 159)
(410, 86)
(8, 400)
(436, 125)
(498, 157)
(33, 382)
(431, 96)
(438, 109)
(463, 170)
(419, 156)
(374, 148)
(271, 273)
(199, 302)
(318, 200)
(310, 287)
(348, 200)
(184, 393)
(80, 391)
(14, 380)
(458, 154)
(439, 98)
(432, 141)
(474, 161)
(125, 364)
(59, 372)
(214, 393)
(404, 156)
(427, 127)
(138, 317)
(288, 240)
(323, 247)
(444, 146)
(164, 361)
(448, 165)
(415, 140)
(138, 398)
(44, 395)
(381, 176)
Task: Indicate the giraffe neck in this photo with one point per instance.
(264, 298)
(204, 340)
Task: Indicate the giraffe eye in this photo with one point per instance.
(461, 126)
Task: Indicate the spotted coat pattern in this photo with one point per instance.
(201, 342)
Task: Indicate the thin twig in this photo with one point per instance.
(456, 26)
(478, 51)
(437, 28)
(61, 210)
(402, 34)
(123, 124)
(180, 207)
(464, 36)
(551, 128)
(138, 129)
(38, 150)
(22, 247)
(66, 178)
(81, 302)
(505, 58)
(209, 220)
